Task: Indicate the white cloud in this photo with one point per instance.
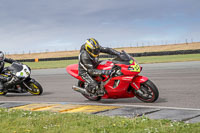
(39, 24)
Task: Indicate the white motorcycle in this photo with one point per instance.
(20, 82)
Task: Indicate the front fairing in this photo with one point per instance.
(19, 70)
(130, 68)
(128, 65)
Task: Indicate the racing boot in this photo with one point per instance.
(100, 92)
(92, 87)
(3, 79)
(10, 82)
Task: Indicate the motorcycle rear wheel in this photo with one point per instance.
(36, 88)
(91, 98)
(150, 92)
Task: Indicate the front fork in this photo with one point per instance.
(137, 81)
(25, 83)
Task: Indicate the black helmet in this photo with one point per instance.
(92, 47)
(2, 56)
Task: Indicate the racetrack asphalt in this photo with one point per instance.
(178, 85)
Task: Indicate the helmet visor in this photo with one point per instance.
(96, 51)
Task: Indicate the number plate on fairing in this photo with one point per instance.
(134, 68)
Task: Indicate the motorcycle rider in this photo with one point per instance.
(4, 81)
(88, 61)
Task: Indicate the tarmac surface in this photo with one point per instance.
(178, 85)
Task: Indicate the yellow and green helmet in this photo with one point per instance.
(92, 47)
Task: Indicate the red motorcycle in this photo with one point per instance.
(124, 82)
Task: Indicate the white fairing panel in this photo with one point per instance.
(24, 73)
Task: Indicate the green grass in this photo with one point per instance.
(18, 121)
(51, 64)
(141, 60)
(169, 58)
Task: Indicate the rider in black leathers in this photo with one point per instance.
(88, 61)
(4, 79)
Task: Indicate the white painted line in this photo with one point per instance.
(122, 105)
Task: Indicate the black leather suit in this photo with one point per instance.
(87, 65)
(2, 63)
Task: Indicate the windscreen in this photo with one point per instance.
(15, 67)
(124, 58)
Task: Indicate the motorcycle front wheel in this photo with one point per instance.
(149, 92)
(91, 98)
(34, 88)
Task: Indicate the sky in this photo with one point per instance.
(58, 25)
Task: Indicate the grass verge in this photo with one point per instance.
(18, 121)
(141, 60)
(169, 58)
(50, 64)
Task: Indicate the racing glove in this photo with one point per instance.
(4, 78)
(106, 72)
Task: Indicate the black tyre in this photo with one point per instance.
(150, 92)
(91, 98)
(35, 88)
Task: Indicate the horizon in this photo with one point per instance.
(43, 52)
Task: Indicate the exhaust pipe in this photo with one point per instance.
(79, 89)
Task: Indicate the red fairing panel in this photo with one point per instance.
(73, 70)
(124, 78)
(119, 92)
(137, 81)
